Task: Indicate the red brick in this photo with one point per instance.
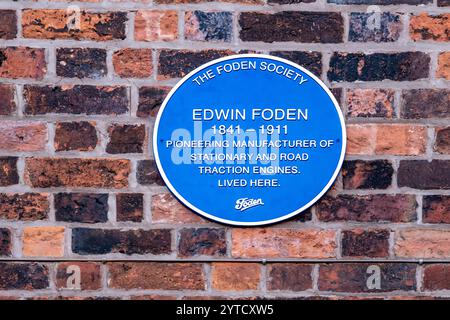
(422, 243)
(289, 276)
(372, 243)
(26, 206)
(284, 243)
(202, 241)
(430, 27)
(442, 142)
(443, 70)
(359, 174)
(373, 103)
(7, 99)
(436, 209)
(16, 136)
(90, 277)
(156, 275)
(56, 24)
(133, 63)
(167, 209)
(156, 25)
(80, 136)
(8, 24)
(436, 277)
(235, 276)
(22, 62)
(43, 242)
(57, 172)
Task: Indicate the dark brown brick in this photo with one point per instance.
(147, 173)
(89, 272)
(8, 171)
(22, 62)
(81, 207)
(101, 241)
(369, 208)
(186, 61)
(58, 172)
(23, 276)
(360, 174)
(289, 1)
(130, 207)
(422, 174)
(443, 3)
(436, 277)
(150, 100)
(381, 2)
(437, 102)
(8, 24)
(289, 276)
(81, 63)
(7, 99)
(5, 242)
(352, 277)
(125, 138)
(26, 206)
(79, 99)
(80, 136)
(309, 60)
(436, 209)
(403, 66)
(365, 243)
(156, 275)
(202, 241)
(442, 142)
(310, 27)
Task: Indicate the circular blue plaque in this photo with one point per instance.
(249, 139)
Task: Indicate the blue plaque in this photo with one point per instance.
(249, 140)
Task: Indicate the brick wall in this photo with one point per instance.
(79, 192)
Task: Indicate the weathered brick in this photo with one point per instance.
(102, 241)
(186, 61)
(81, 207)
(8, 171)
(81, 63)
(370, 103)
(436, 277)
(310, 60)
(167, 209)
(43, 241)
(403, 66)
(436, 209)
(443, 3)
(443, 70)
(393, 139)
(78, 99)
(363, 27)
(16, 136)
(202, 241)
(284, 243)
(353, 277)
(79, 136)
(125, 138)
(360, 174)
(243, 2)
(372, 243)
(8, 24)
(5, 242)
(422, 174)
(7, 99)
(133, 63)
(381, 2)
(442, 142)
(426, 26)
(369, 208)
(26, 206)
(156, 25)
(23, 276)
(437, 102)
(289, 1)
(54, 172)
(208, 26)
(310, 27)
(22, 62)
(150, 100)
(90, 277)
(62, 24)
(228, 276)
(289, 276)
(130, 207)
(156, 275)
(147, 173)
(422, 243)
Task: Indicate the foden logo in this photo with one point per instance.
(246, 203)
